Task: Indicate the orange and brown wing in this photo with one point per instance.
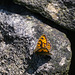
(43, 46)
(48, 46)
(43, 51)
(42, 42)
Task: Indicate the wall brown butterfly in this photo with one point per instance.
(43, 46)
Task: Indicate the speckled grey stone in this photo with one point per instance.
(20, 35)
(60, 11)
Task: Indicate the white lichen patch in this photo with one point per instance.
(24, 29)
(69, 48)
(62, 62)
(2, 45)
(52, 10)
(2, 69)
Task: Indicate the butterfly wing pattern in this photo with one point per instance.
(43, 46)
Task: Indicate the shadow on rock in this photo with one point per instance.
(35, 62)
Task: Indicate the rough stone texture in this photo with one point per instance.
(60, 11)
(19, 35)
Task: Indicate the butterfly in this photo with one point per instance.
(43, 46)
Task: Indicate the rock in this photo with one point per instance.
(60, 11)
(20, 35)
(1, 37)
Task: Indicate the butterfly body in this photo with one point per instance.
(43, 46)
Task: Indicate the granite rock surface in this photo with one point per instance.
(19, 35)
(61, 12)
